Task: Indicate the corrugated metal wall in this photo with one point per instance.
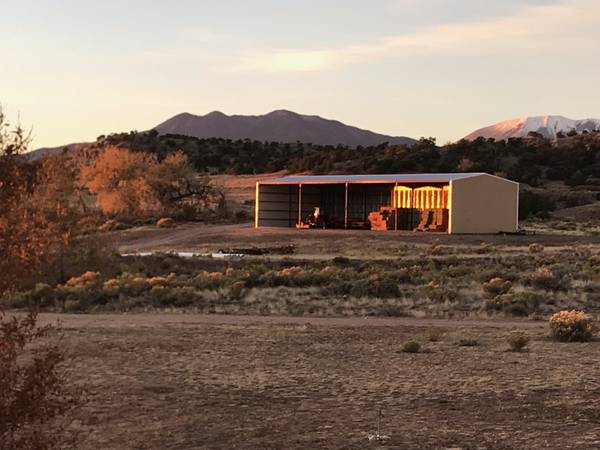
(484, 204)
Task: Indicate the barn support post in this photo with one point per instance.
(395, 203)
(257, 206)
(364, 202)
(290, 224)
(346, 207)
(300, 203)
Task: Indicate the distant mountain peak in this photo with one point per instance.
(214, 114)
(549, 126)
(284, 112)
(281, 125)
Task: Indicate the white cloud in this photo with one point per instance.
(555, 28)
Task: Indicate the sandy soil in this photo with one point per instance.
(168, 381)
(198, 237)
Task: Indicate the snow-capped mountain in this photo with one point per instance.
(547, 126)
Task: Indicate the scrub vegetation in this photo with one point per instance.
(458, 281)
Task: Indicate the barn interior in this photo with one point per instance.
(374, 206)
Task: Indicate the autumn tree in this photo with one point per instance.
(136, 184)
(180, 190)
(24, 237)
(34, 396)
(118, 178)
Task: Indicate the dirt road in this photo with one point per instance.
(198, 237)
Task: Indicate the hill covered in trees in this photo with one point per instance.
(554, 174)
(534, 160)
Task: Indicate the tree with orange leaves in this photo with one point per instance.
(135, 184)
(34, 392)
(118, 178)
(27, 239)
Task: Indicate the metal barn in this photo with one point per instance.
(435, 202)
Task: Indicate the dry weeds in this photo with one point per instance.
(182, 382)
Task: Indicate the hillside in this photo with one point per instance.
(40, 153)
(276, 126)
(549, 127)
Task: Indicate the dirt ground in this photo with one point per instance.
(198, 237)
(174, 381)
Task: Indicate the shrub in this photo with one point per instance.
(411, 347)
(532, 203)
(517, 342)
(178, 297)
(536, 248)
(112, 225)
(594, 261)
(237, 290)
(435, 334)
(497, 286)
(165, 222)
(515, 304)
(440, 294)
(572, 326)
(42, 295)
(34, 393)
(543, 278)
(84, 279)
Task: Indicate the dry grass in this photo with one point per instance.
(181, 382)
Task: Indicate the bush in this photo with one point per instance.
(84, 279)
(435, 335)
(34, 393)
(515, 304)
(411, 347)
(237, 290)
(517, 342)
(497, 286)
(165, 222)
(440, 294)
(572, 326)
(112, 225)
(543, 278)
(536, 248)
(532, 203)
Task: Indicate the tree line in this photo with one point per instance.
(534, 160)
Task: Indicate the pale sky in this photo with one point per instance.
(75, 69)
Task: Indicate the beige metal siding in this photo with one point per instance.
(272, 208)
(484, 204)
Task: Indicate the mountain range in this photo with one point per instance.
(549, 127)
(277, 126)
(287, 126)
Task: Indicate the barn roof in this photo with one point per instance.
(392, 178)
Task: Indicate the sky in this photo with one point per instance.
(72, 70)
